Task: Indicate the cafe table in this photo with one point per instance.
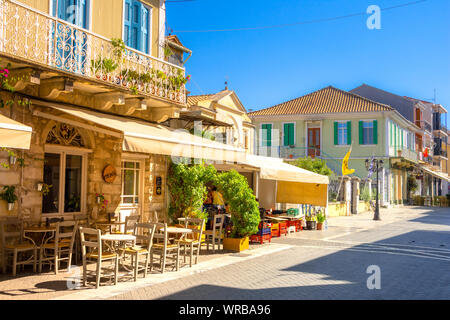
(118, 241)
(109, 224)
(43, 230)
(176, 230)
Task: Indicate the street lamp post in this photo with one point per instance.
(378, 164)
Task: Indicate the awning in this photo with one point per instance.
(293, 184)
(144, 137)
(439, 175)
(13, 134)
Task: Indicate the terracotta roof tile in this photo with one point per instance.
(326, 100)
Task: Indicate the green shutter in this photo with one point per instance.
(361, 133)
(390, 133)
(286, 134)
(335, 133)
(291, 134)
(375, 131)
(269, 135)
(349, 132)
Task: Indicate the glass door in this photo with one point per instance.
(132, 181)
(313, 142)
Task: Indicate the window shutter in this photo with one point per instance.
(127, 23)
(291, 134)
(286, 134)
(335, 133)
(349, 132)
(269, 135)
(375, 131)
(144, 29)
(361, 133)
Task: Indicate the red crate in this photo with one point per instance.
(283, 229)
(260, 239)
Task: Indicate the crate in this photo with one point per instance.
(275, 230)
(261, 238)
(283, 229)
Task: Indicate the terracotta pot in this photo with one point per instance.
(319, 226)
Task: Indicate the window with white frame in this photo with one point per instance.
(342, 133)
(131, 171)
(63, 174)
(367, 132)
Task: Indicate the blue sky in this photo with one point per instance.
(408, 56)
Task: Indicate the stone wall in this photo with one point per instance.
(105, 149)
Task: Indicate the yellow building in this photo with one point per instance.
(92, 80)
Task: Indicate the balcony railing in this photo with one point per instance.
(35, 37)
(404, 153)
(424, 125)
(438, 152)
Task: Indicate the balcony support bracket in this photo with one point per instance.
(135, 104)
(105, 101)
(53, 87)
(23, 77)
(163, 114)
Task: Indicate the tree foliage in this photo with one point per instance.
(243, 205)
(187, 187)
(315, 165)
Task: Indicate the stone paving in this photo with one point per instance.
(410, 245)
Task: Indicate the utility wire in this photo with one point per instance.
(301, 22)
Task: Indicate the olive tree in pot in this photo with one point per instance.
(9, 196)
(244, 209)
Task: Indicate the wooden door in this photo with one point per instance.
(313, 142)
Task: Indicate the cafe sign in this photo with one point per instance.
(109, 174)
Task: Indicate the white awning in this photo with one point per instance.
(439, 175)
(145, 137)
(13, 134)
(276, 169)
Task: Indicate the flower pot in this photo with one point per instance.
(39, 187)
(236, 244)
(99, 200)
(10, 206)
(311, 225)
(12, 159)
(319, 225)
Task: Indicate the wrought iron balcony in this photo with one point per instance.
(424, 125)
(36, 38)
(404, 153)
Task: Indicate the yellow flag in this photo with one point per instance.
(345, 169)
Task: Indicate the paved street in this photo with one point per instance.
(411, 247)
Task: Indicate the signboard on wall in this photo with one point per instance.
(109, 174)
(158, 186)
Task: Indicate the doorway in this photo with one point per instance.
(314, 142)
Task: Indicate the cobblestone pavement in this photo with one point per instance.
(410, 246)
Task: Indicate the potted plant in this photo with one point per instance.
(9, 196)
(44, 188)
(320, 220)
(311, 222)
(244, 209)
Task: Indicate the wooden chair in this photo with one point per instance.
(130, 225)
(194, 239)
(164, 248)
(14, 244)
(144, 233)
(61, 249)
(214, 236)
(96, 253)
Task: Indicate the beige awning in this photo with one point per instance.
(276, 169)
(144, 137)
(13, 134)
(439, 175)
(292, 184)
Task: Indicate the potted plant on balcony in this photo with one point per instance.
(9, 196)
(243, 206)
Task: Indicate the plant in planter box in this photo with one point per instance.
(320, 220)
(243, 206)
(311, 222)
(9, 196)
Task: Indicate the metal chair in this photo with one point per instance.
(13, 244)
(214, 236)
(96, 253)
(144, 233)
(164, 248)
(61, 249)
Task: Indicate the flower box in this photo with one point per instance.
(236, 244)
